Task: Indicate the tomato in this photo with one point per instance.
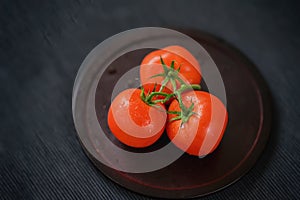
(184, 61)
(133, 122)
(203, 131)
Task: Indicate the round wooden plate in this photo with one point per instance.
(249, 108)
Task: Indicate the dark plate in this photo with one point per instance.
(248, 104)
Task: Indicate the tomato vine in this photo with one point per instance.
(171, 75)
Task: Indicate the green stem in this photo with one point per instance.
(185, 87)
(152, 94)
(186, 112)
(148, 98)
(172, 75)
(163, 101)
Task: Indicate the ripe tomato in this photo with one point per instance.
(133, 122)
(202, 133)
(189, 67)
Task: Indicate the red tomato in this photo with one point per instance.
(202, 133)
(133, 122)
(189, 66)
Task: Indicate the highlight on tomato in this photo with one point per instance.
(134, 121)
(196, 122)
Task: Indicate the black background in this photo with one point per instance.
(42, 44)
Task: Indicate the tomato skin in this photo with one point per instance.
(133, 122)
(189, 66)
(202, 133)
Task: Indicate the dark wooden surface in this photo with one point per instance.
(42, 45)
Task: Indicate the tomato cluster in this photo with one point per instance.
(169, 99)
